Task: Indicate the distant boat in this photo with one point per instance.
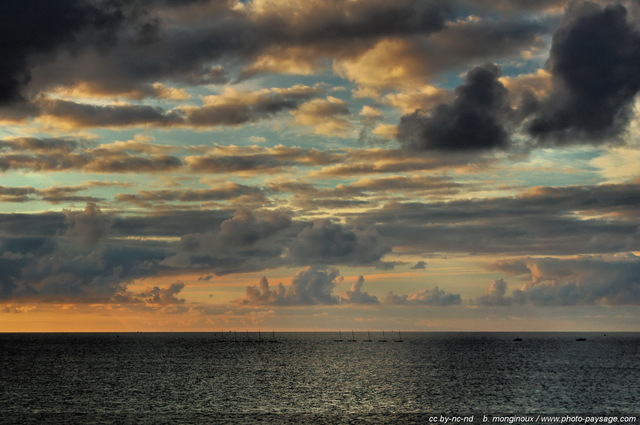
(273, 338)
(399, 337)
(221, 337)
(517, 339)
(353, 337)
(248, 339)
(260, 337)
(383, 338)
(339, 337)
(581, 339)
(368, 337)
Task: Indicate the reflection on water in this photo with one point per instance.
(309, 378)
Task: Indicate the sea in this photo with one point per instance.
(310, 378)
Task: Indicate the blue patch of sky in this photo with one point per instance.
(560, 167)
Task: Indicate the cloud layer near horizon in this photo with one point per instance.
(177, 141)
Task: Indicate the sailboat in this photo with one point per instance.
(368, 337)
(339, 337)
(353, 337)
(273, 338)
(399, 337)
(383, 338)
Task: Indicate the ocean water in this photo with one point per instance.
(308, 378)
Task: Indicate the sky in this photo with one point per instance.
(317, 165)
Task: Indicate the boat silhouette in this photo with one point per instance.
(383, 338)
(353, 338)
(273, 339)
(368, 337)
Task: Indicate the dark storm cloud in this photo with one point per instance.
(595, 63)
(475, 120)
(586, 280)
(34, 29)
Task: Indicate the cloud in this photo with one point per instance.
(35, 30)
(17, 194)
(89, 226)
(226, 191)
(310, 286)
(428, 297)
(34, 145)
(507, 6)
(315, 286)
(162, 296)
(81, 264)
(326, 116)
(80, 115)
(325, 242)
(407, 62)
(381, 161)
(475, 120)
(583, 280)
(94, 90)
(540, 221)
(594, 62)
(266, 239)
(234, 107)
(495, 295)
(420, 265)
(231, 108)
(254, 160)
(355, 295)
(423, 98)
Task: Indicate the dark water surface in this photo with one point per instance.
(184, 378)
